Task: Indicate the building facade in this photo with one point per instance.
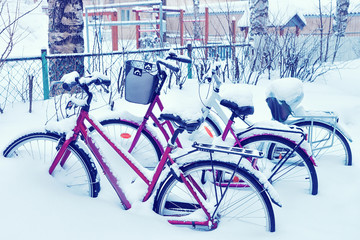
(221, 14)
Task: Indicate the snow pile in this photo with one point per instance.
(188, 105)
(241, 94)
(289, 90)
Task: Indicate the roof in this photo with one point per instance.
(279, 15)
(220, 7)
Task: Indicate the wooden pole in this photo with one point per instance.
(137, 17)
(206, 31)
(114, 32)
(181, 29)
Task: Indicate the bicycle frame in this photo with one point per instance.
(213, 102)
(80, 128)
(149, 114)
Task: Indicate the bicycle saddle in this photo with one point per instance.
(238, 111)
(189, 125)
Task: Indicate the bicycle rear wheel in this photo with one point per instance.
(237, 195)
(78, 172)
(298, 170)
(146, 150)
(326, 142)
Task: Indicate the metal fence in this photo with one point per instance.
(16, 77)
(30, 79)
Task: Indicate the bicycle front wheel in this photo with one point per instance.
(206, 132)
(327, 142)
(235, 194)
(146, 150)
(78, 172)
(285, 163)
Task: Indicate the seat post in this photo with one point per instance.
(233, 115)
(176, 134)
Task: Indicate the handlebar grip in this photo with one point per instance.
(168, 65)
(70, 80)
(183, 59)
(106, 82)
(69, 86)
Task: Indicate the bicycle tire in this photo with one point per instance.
(298, 169)
(78, 172)
(322, 134)
(246, 202)
(146, 151)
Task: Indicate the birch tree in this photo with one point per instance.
(65, 36)
(341, 18)
(259, 15)
(197, 29)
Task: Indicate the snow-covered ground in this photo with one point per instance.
(34, 206)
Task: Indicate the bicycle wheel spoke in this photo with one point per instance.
(75, 171)
(226, 201)
(327, 143)
(146, 151)
(282, 164)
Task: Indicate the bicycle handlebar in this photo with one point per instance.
(72, 79)
(167, 64)
(170, 65)
(181, 58)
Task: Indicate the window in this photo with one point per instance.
(125, 15)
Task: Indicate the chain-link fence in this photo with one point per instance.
(21, 80)
(31, 79)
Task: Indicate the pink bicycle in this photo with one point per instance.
(200, 193)
(294, 165)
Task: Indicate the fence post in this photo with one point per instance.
(189, 48)
(45, 74)
(31, 84)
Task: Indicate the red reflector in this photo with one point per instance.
(208, 132)
(125, 135)
(236, 179)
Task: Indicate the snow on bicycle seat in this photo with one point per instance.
(238, 98)
(283, 97)
(238, 110)
(289, 90)
(189, 125)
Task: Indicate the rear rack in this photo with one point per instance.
(230, 150)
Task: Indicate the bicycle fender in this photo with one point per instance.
(338, 127)
(290, 133)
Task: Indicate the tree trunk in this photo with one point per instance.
(259, 14)
(342, 7)
(341, 17)
(65, 37)
(197, 29)
(258, 34)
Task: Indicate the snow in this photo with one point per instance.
(240, 94)
(30, 37)
(289, 90)
(34, 206)
(281, 11)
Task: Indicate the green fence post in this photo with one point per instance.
(189, 48)
(45, 74)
